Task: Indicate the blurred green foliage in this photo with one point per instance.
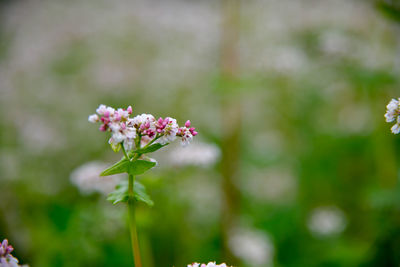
(312, 117)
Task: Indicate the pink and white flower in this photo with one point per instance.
(94, 118)
(186, 133)
(210, 264)
(6, 259)
(167, 128)
(140, 130)
(145, 124)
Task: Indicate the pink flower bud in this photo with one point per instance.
(150, 133)
(194, 133)
(103, 127)
(187, 123)
(107, 113)
(129, 109)
(9, 249)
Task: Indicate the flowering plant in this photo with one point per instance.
(136, 137)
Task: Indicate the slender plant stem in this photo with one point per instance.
(123, 150)
(132, 223)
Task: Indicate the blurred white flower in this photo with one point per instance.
(9, 164)
(392, 114)
(202, 194)
(355, 118)
(87, 179)
(392, 110)
(276, 184)
(290, 59)
(39, 132)
(334, 43)
(198, 154)
(252, 246)
(327, 221)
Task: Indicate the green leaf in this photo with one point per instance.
(121, 193)
(138, 167)
(119, 167)
(141, 194)
(152, 148)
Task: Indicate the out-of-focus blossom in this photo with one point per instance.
(290, 60)
(87, 179)
(275, 184)
(210, 264)
(6, 259)
(327, 221)
(198, 154)
(252, 246)
(355, 118)
(39, 133)
(392, 114)
(334, 43)
(203, 196)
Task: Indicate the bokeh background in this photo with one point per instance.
(294, 164)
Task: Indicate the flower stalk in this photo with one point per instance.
(136, 137)
(132, 223)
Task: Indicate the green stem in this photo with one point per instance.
(132, 223)
(151, 142)
(123, 150)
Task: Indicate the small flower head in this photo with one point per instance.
(392, 114)
(210, 264)
(5, 248)
(94, 118)
(145, 125)
(129, 109)
(6, 259)
(186, 133)
(167, 128)
(140, 130)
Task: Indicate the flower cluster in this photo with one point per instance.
(210, 264)
(6, 259)
(140, 130)
(392, 114)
